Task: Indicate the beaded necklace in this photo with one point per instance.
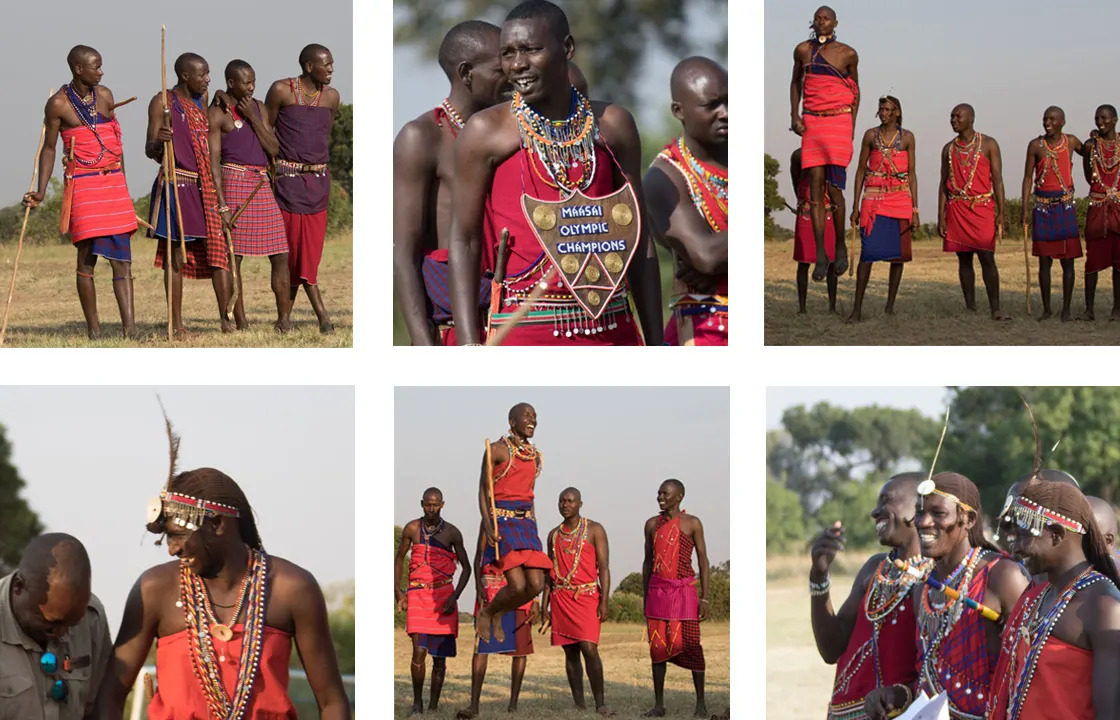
(205, 661)
(887, 151)
(315, 96)
(969, 158)
(86, 111)
(713, 180)
(936, 620)
(452, 114)
(426, 535)
(1103, 163)
(1050, 162)
(1036, 630)
(694, 176)
(525, 451)
(578, 534)
(561, 145)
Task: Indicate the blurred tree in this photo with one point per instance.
(785, 519)
(632, 584)
(342, 148)
(611, 37)
(626, 607)
(18, 522)
(399, 618)
(773, 199)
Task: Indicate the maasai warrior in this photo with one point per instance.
(422, 157)
(871, 637)
(549, 142)
(804, 244)
(517, 630)
(224, 612)
(194, 196)
(1054, 234)
(686, 185)
(825, 74)
(957, 647)
(1060, 650)
(672, 608)
(54, 637)
(1102, 223)
(513, 547)
(575, 600)
(1105, 515)
(302, 110)
(241, 143)
(970, 206)
(887, 178)
(431, 601)
(97, 210)
(1002, 528)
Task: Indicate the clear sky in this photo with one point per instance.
(928, 400)
(128, 37)
(419, 84)
(646, 435)
(1009, 59)
(93, 457)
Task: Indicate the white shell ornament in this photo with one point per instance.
(926, 487)
(155, 508)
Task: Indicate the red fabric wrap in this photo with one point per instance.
(574, 609)
(1102, 223)
(827, 139)
(431, 565)
(306, 237)
(804, 242)
(670, 638)
(439, 114)
(896, 650)
(970, 221)
(179, 696)
(883, 193)
(717, 209)
(515, 479)
(1061, 688)
(1044, 177)
(99, 203)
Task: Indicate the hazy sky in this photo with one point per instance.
(648, 435)
(93, 457)
(929, 400)
(419, 84)
(1009, 59)
(128, 37)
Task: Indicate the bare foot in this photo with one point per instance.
(654, 712)
(467, 714)
(604, 711)
(129, 333)
(243, 325)
(416, 710)
(1046, 315)
(1000, 315)
(496, 628)
(820, 270)
(93, 334)
(701, 712)
(853, 318)
(970, 308)
(326, 328)
(801, 311)
(841, 264)
(1066, 315)
(889, 310)
(512, 707)
(182, 333)
(1115, 315)
(281, 326)
(482, 627)
(1086, 316)
(227, 327)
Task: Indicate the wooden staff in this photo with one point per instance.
(166, 177)
(23, 230)
(169, 157)
(496, 281)
(493, 508)
(1027, 263)
(229, 242)
(523, 310)
(123, 102)
(852, 253)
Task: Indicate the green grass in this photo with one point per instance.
(45, 310)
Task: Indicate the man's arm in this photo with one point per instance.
(101, 652)
(52, 123)
(912, 173)
(602, 561)
(942, 190)
(853, 73)
(795, 122)
(861, 173)
(134, 640)
(644, 274)
(158, 133)
(273, 100)
(255, 114)
(414, 174)
(1102, 626)
(217, 118)
(473, 173)
(995, 161)
(546, 618)
(702, 563)
(1087, 160)
(316, 646)
(678, 226)
(1075, 145)
(464, 563)
(647, 561)
(1028, 171)
(832, 629)
(400, 596)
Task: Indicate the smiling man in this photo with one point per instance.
(875, 618)
(54, 639)
(1060, 653)
(957, 646)
(548, 143)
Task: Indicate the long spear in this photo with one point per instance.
(23, 230)
(1027, 260)
(167, 177)
(851, 254)
(229, 241)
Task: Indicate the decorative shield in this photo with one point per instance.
(590, 240)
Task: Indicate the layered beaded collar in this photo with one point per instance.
(566, 147)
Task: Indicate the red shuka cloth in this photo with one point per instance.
(1061, 688)
(100, 205)
(804, 242)
(430, 565)
(970, 222)
(180, 697)
(827, 139)
(306, 235)
(574, 610)
(889, 196)
(1044, 177)
(1102, 222)
(896, 649)
(671, 602)
(515, 478)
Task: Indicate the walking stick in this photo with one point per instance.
(852, 254)
(229, 243)
(169, 153)
(1027, 265)
(523, 310)
(167, 177)
(490, 487)
(496, 281)
(23, 230)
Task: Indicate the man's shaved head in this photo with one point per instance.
(310, 52)
(79, 55)
(693, 70)
(236, 66)
(513, 411)
(827, 9)
(55, 560)
(675, 483)
(186, 60)
(967, 108)
(1056, 109)
(573, 491)
(543, 10)
(433, 492)
(1105, 515)
(1108, 107)
(464, 43)
(907, 481)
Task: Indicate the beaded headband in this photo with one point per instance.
(1032, 516)
(927, 487)
(186, 511)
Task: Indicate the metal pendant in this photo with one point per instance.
(221, 632)
(237, 124)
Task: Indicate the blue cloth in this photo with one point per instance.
(437, 645)
(516, 533)
(161, 217)
(884, 242)
(509, 627)
(1056, 222)
(113, 247)
(836, 176)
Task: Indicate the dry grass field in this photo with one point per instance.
(45, 310)
(930, 308)
(545, 694)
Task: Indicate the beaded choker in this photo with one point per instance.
(205, 660)
(86, 110)
(525, 451)
(310, 99)
(565, 147)
(575, 541)
(452, 114)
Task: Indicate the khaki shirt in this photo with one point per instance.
(23, 685)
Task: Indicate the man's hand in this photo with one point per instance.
(246, 108)
(402, 601)
(854, 219)
(451, 606)
(604, 612)
(942, 228)
(703, 610)
(491, 537)
(32, 199)
(223, 100)
(882, 703)
(546, 620)
(999, 224)
(164, 135)
(227, 219)
(534, 612)
(797, 125)
(824, 549)
(695, 279)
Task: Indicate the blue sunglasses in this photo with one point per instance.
(48, 663)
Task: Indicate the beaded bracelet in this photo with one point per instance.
(821, 588)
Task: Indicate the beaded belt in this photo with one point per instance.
(295, 168)
(181, 174)
(565, 314)
(502, 512)
(1096, 198)
(876, 190)
(972, 200)
(584, 589)
(898, 175)
(108, 170)
(1066, 199)
(416, 585)
(825, 113)
(260, 170)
